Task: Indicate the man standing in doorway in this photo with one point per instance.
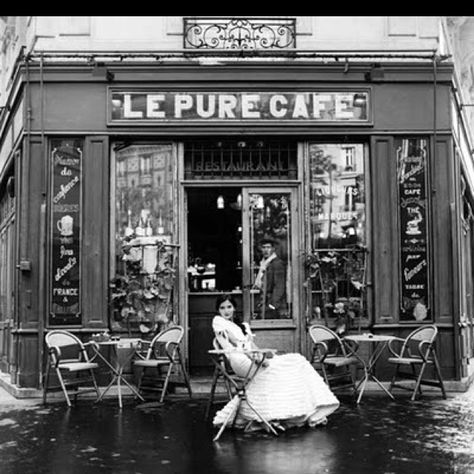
(271, 281)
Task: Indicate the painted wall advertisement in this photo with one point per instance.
(65, 228)
(413, 216)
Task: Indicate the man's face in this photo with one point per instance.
(267, 250)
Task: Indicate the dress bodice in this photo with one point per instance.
(225, 329)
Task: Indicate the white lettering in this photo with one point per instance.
(319, 104)
(227, 104)
(63, 251)
(182, 102)
(343, 106)
(64, 189)
(275, 100)
(409, 274)
(249, 103)
(65, 291)
(153, 106)
(211, 106)
(127, 108)
(60, 272)
(300, 109)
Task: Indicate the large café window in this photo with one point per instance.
(338, 233)
(142, 218)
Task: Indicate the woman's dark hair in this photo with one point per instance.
(227, 297)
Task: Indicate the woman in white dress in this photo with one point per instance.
(287, 390)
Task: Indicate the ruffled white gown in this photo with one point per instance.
(287, 392)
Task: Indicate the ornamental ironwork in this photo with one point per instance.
(239, 33)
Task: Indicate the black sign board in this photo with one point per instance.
(159, 105)
(65, 231)
(413, 219)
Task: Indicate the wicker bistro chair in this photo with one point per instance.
(162, 352)
(417, 353)
(68, 357)
(333, 357)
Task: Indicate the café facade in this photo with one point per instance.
(357, 173)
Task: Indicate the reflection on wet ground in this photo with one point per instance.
(379, 436)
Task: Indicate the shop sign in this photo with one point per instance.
(65, 230)
(256, 106)
(413, 215)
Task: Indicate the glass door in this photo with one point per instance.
(269, 253)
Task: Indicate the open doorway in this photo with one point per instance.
(214, 239)
(214, 262)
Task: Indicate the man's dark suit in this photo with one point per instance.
(274, 289)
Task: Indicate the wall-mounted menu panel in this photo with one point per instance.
(412, 174)
(65, 233)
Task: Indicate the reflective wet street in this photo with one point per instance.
(379, 436)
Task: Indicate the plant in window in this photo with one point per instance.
(338, 277)
(140, 295)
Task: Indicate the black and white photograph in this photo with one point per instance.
(237, 244)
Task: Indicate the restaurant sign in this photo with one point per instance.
(413, 218)
(152, 106)
(65, 297)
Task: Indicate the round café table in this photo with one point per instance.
(377, 343)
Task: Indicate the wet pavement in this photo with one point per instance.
(431, 435)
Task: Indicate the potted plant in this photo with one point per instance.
(143, 294)
(337, 278)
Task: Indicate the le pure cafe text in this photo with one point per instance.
(162, 105)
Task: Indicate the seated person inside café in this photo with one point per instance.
(287, 391)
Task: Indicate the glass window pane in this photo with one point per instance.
(338, 262)
(270, 254)
(337, 199)
(143, 216)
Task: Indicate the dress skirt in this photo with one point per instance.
(288, 391)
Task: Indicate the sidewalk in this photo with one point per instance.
(380, 435)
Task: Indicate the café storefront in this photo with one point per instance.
(333, 168)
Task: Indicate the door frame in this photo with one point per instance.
(295, 188)
(295, 274)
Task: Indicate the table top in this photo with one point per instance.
(369, 337)
(241, 351)
(123, 342)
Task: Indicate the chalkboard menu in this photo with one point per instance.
(413, 219)
(65, 229)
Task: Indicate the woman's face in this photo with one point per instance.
(226, 309)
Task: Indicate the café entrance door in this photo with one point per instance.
(241, 240)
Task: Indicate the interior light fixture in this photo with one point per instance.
(360, 100)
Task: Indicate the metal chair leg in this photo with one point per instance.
(211, 395)
(418, 382)
(60, 377)
(185, 375)
(165, 385)
(438, 373)
(46, 382)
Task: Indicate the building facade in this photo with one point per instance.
(131, 142)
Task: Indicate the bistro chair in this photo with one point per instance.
(222, 367)
(239, 385)
(161, 353)
(68, 357)
(333, 357)
(415, 353)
